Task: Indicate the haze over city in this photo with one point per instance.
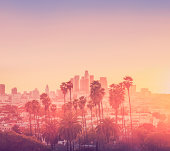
(84, 75)
(48, 42)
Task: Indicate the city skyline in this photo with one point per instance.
(47, 42)
(80, 75)
(42, 89)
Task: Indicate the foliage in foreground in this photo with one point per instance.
(11, 141)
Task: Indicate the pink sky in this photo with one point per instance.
(40, 50)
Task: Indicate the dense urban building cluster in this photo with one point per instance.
(92, 100)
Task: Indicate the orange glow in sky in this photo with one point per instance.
(36, 50)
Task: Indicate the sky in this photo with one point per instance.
(48, 42)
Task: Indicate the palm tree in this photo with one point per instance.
(69, 87)
(35, 110)
(96, 95)
(116, 97)
(53, 109)
(82, 103)
(69, 128)
(64, 89)
(128, 83)
(67, 107)
(28, 107)
(90, 105)
(46, 101)
(75, 104)
(50, 133)
(107, 129)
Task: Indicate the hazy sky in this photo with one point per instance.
(48, 41)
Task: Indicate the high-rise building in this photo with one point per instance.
(2, 89)
(82, 84)
(47, 90)
(76, 83)
(86, 81)
(86, 74)
(103, 81)
(91, 78)
(14, 91)
(35, 93)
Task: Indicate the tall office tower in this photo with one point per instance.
(103, 81)
(47, 90)
(14, 91)
(86, 74)
(2, 89)
(76, 83)
(91, 78)
(86, 81)
(82, 84)
(35, 93)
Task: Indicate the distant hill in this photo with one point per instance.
(11, 141)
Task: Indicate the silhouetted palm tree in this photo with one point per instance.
(69, 128)
(69, 87)
(96, 95)
(116, 97)
(128, 83)
(53, 109)
(35, 110)
(28, 107)
(46, 101)
(64, 89)
(90, 105)
(82, 103)
(67, 107)
(75, 104)
(50, 133)
(107, 129)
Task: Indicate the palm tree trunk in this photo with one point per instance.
(102, 108)
(97, 115)
(130, 110)
(64, 98)
(123, 120)
(67, 145)
(92, 118)
(49, 115)
(99, 112)
(70, 95)
(85, 124)
(116, 112)
(122, 115)
(45, 116)
(38, 128)
(64, 102)
(79, 144)
(82, 122)
(97, 145)
(73, 145)
(35, 124)
(30, 125)
(70, 146)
